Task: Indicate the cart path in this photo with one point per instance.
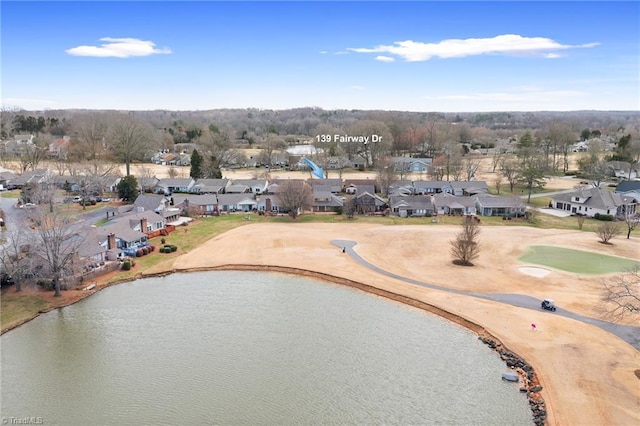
(628, 333)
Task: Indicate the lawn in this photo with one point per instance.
(18, 307)
(577, 261)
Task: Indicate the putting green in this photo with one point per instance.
(578, 261)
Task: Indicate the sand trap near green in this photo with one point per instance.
(577, 261)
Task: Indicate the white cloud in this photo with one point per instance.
(506, 44)
(382, 58)
(357, 87)
(119, 48)
(323, 52)
(342, 52)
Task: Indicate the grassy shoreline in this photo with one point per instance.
(18, 308)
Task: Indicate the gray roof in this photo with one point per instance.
(628, 185)
(150, 202)
(237, 189)
(326, 199)
(430, 184)
(232, 199)
(196, 200)
(415, 202)
(175, 182)
(122, 226)
(444, 199)
(595, 198)
(371, 189)
(250, 182)
(500, 202)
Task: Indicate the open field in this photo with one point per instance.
(577, 261)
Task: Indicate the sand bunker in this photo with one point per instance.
(536, 272)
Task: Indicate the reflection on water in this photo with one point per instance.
(250, 348)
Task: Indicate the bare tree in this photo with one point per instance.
(496, 158)
(130, 140)
(173, 172)
(607, 231)
(58, 240)
(386, 176)
(497, 182)
(510, 171)
(89, 137)
(470, 166)
(295, 197)
(594, 165)
(622, 293)
(581, 219)
(16, 256)
(465, 248)
(272, 144)
(632, 221)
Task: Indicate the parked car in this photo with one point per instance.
(547, 304)
(77, 199)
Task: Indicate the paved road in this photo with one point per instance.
(629, 334)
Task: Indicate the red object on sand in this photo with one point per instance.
(533, 325)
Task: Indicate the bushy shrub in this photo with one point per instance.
(162, 240)
(174, 248)
(603, 217)
(126, 265)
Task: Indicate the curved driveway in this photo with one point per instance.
(628, 333)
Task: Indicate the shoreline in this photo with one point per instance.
(528, 379)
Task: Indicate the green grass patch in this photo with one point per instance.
(14, 193)
(16, 307)
(577, 261)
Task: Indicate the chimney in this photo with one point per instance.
(111, 241)
(267, 206)
(143, 224)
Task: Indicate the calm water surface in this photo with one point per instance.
(249, 348)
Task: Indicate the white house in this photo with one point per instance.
(592, 201)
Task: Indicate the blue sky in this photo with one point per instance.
(413, 56)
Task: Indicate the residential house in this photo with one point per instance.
(628, 185)
(324, 200)
(41, 177)
(367, 202)
(151, 202)
(334, 185)
(413, 206)
(355, 183)
(271, 203)
(171, 185)
(59, 148)
(468, 188)
(256, 186)
(210, 186)
(424, 187)
(6, 177)
(592, 201)
(500, 206)
(201, 205)
(411, 165)
(237, 202)
(447, 204)
(147, 184)
(274, 185)
(237, 189)
(130, 232)
(109, 183)
(401, 188)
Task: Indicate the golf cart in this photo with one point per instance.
(548, 305)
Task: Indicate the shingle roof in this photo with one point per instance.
(596, 198)
(499, 202)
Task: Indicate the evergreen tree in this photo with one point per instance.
(197, 171)
(128, 189)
